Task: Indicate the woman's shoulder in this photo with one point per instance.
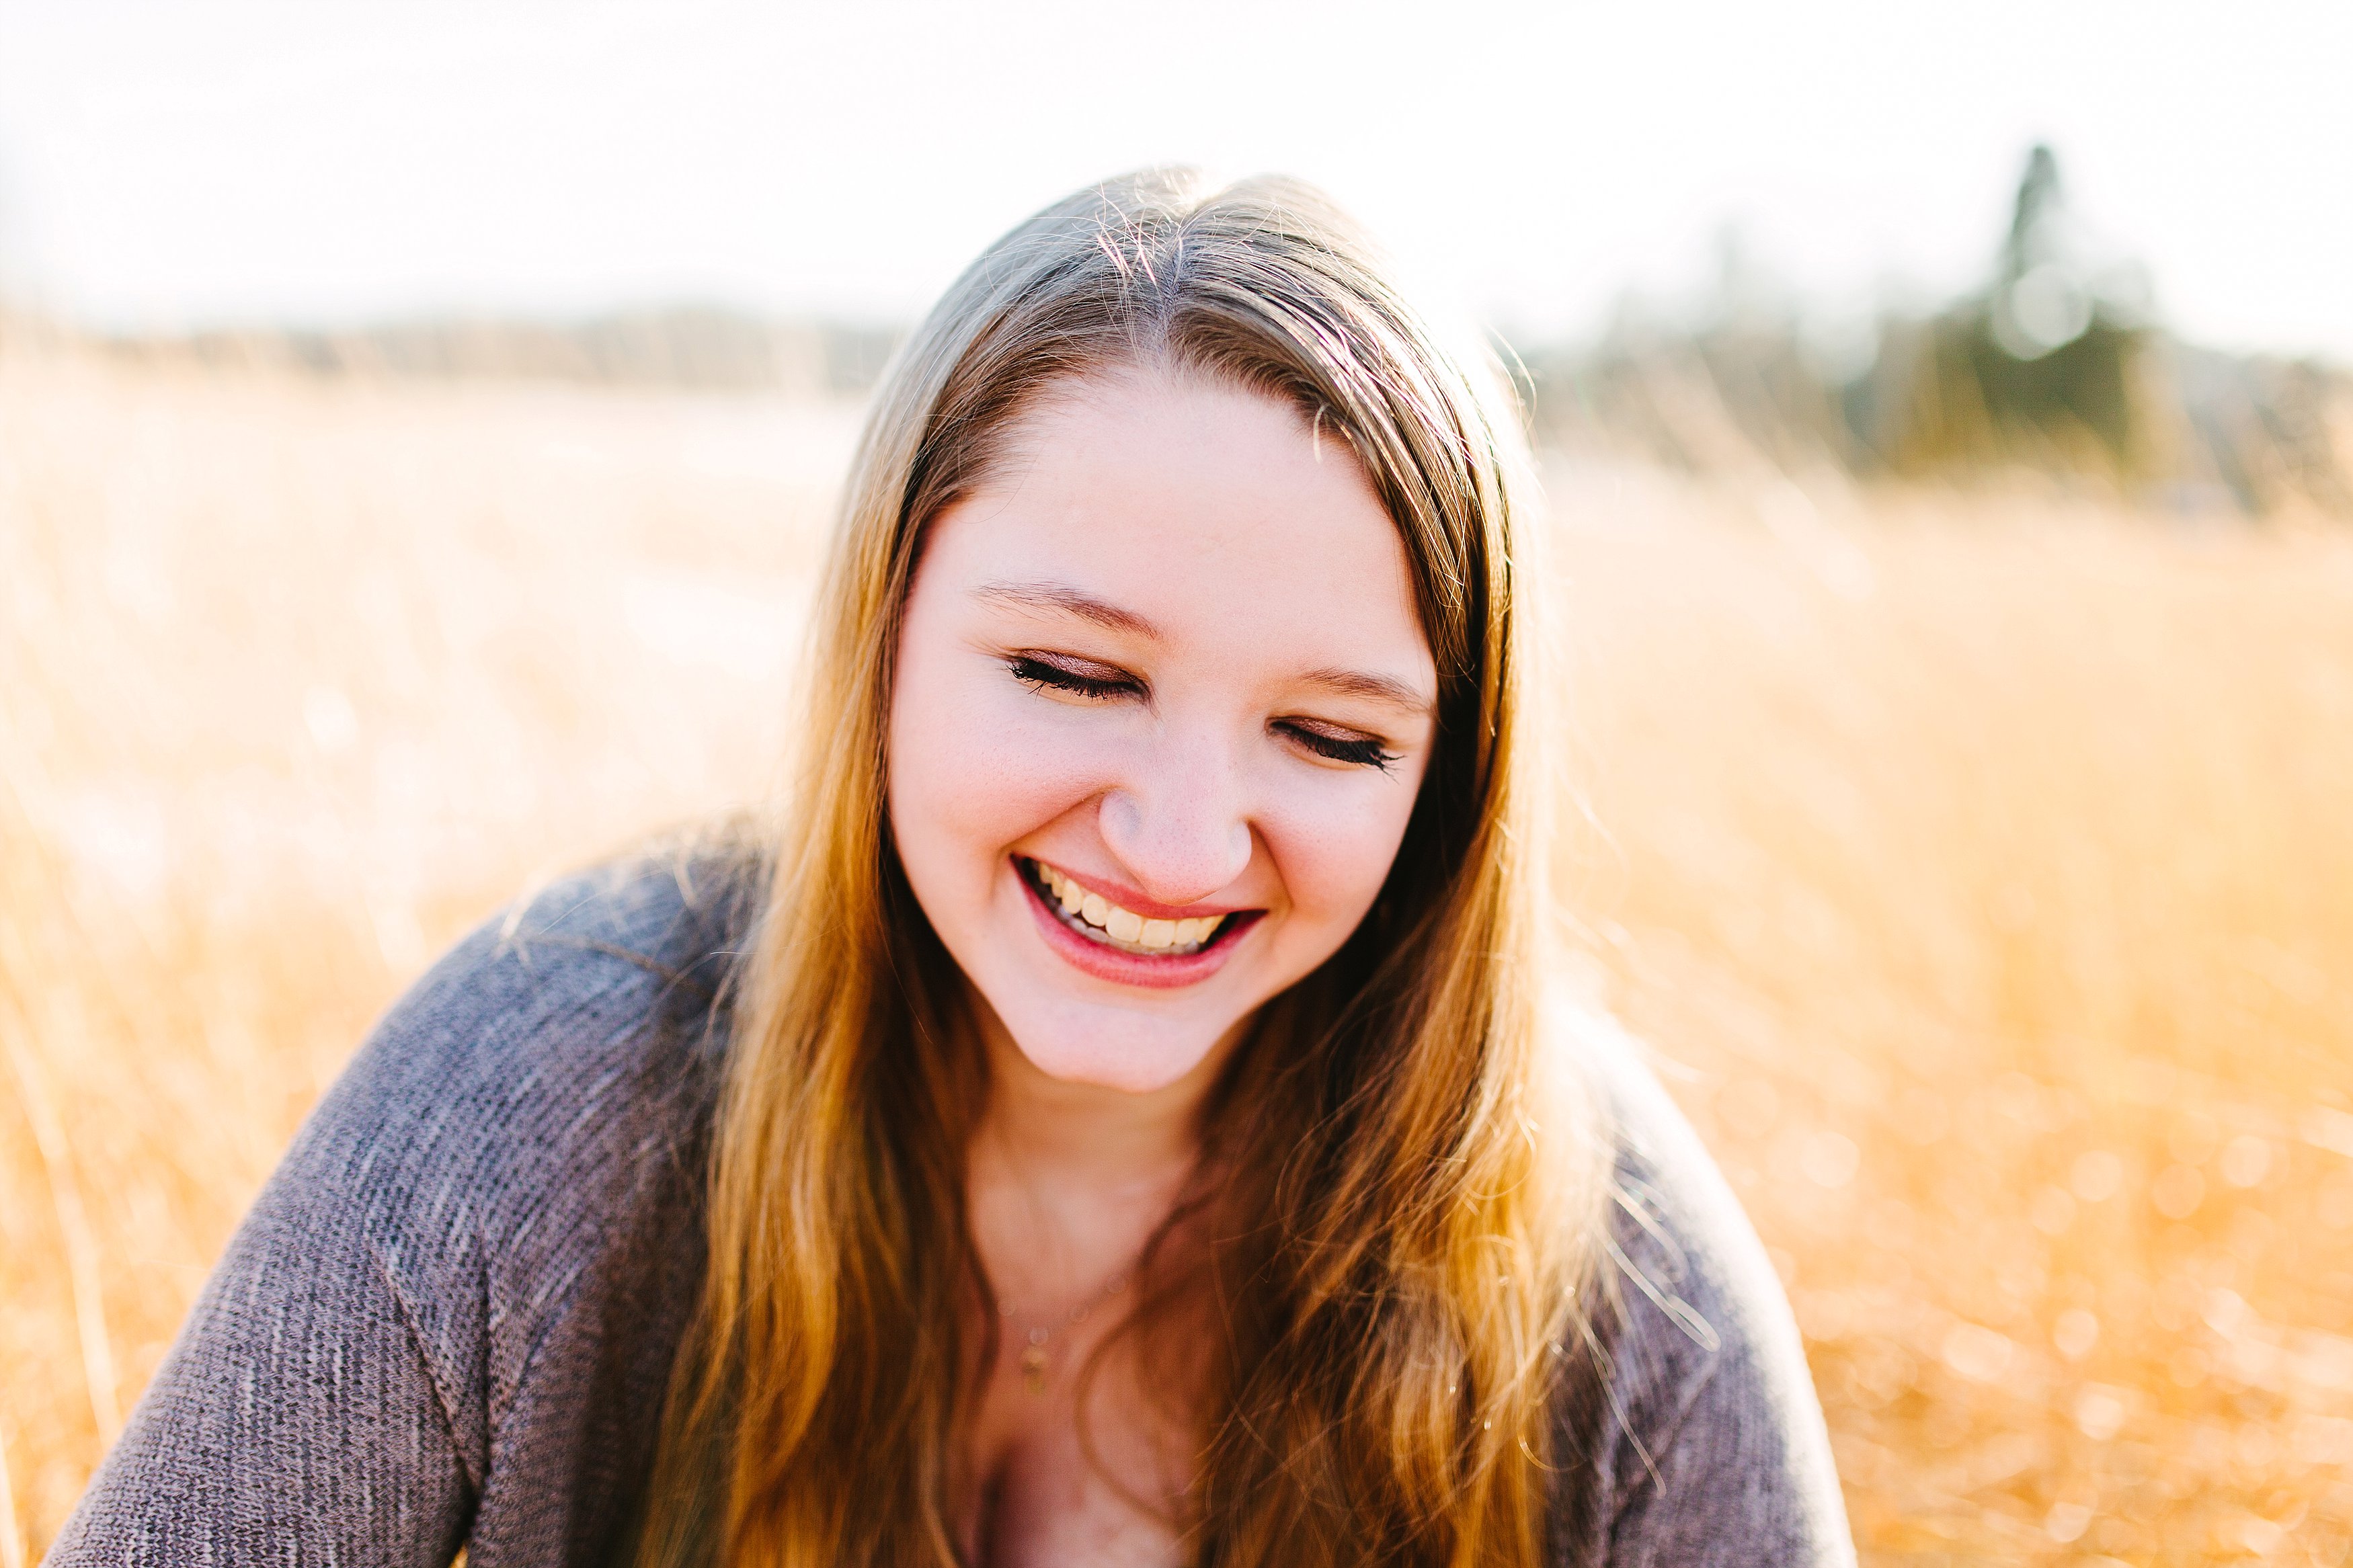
(1708, 1438)
(630, 955)
(560, 1058)
(478, 1257)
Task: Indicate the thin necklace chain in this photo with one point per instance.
(1035, 1359)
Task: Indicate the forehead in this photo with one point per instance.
(1210, 511)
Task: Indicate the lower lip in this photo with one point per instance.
(1132, 968)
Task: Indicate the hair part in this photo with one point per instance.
(1394, 1251)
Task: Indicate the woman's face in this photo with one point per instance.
(1163, 705)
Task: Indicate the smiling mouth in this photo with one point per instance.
(1107, 924)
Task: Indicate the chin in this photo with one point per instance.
(1102, 1047)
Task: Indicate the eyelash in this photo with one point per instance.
(1038, 673)
(1366, 752)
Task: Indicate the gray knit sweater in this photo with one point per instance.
(449, 1319)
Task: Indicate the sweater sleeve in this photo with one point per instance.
(1713, 1450)
(448, 1317)
(298, 1410)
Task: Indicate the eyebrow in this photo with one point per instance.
(1376, 688)
(1061, 599)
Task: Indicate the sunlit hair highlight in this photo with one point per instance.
(1406, 1193)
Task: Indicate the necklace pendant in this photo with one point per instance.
(1033, 1368)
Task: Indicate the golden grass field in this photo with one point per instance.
(1983, 866)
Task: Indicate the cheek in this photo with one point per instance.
(1334, 849)
(976, 766)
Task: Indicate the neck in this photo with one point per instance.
(1067, 1180)
(1086, 1132)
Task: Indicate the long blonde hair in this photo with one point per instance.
(1401, 1227)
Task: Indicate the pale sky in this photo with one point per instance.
(174, 162)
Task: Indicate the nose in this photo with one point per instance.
(1179, 825)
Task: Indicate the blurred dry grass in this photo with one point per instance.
(1986, 864)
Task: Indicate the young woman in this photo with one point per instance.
(1112, 1117)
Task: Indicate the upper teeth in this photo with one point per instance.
(1125, 925)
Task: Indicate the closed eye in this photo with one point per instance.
(1338, 746)
(1077, 677)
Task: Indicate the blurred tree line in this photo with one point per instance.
(2053, 366)
(706, 348)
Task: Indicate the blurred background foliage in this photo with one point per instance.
(2054, 367)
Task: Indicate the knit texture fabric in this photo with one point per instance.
(449, 1318)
